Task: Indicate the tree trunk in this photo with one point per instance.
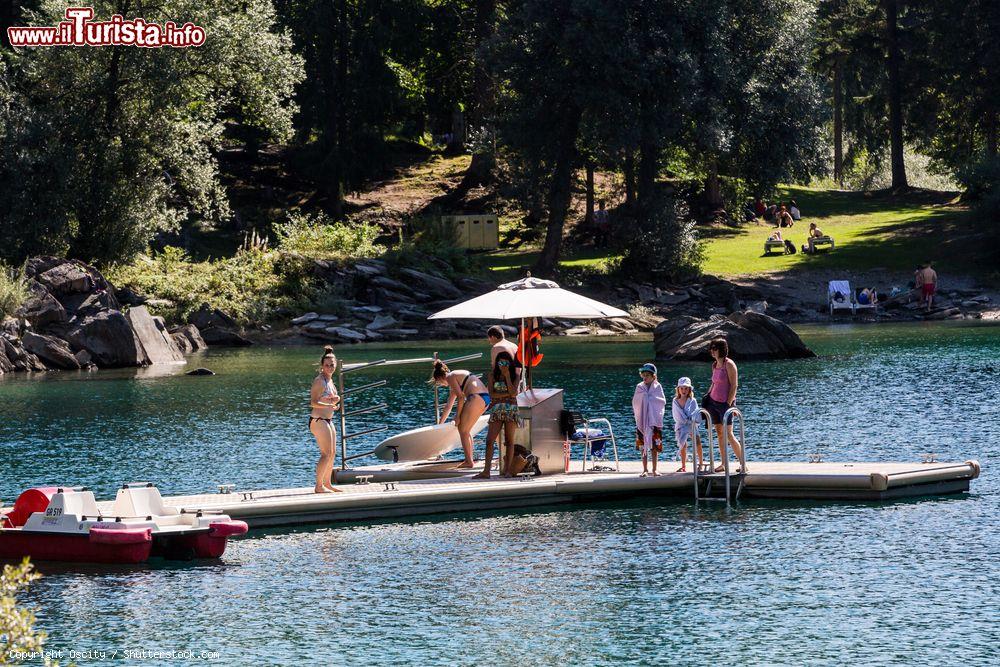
(838, 123)
(9, 12)
(456, 144)
(991, 135)
(893, 63)
(560, 192)
(483, 87)
(649, 166)
(335, 189)
(629, 179)
(589, 216)
(713, 190)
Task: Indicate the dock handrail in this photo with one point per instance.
(710, 429)
(343, 369)
(735, 414)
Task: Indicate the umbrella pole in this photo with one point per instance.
(437, 399)
(523, 383)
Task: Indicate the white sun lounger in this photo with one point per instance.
(873, 306)
(842, 287)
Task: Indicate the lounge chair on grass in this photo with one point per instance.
(840, 296)
(774, 244)
(814, 244)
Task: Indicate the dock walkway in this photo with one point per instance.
(388, 499)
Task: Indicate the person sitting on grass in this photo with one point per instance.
(648, 406)
(785, 218)
(793, 210)
(759, 207)
(771, 214)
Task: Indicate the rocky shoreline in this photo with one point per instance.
(381, 305)
(75, 319)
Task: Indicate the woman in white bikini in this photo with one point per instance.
(324, 401)
(473, 398)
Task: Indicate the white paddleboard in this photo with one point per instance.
(427, 442)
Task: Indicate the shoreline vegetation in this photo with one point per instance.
(290, 180)
(324, 282)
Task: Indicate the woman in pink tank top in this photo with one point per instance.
(722, 395)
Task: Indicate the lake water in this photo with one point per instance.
(772, 582)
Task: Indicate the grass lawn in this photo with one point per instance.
(870, 231)
(513, 263)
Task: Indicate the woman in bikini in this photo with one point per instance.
(324, 401)
(472, 397)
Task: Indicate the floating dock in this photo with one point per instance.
(385, 496)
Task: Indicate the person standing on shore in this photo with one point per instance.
(928, 279)
(648, 406)
(722, 396)
(324, 401)
(503, 382)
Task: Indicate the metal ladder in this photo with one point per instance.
(716, 483)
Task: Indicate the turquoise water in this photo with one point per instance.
(765, 582)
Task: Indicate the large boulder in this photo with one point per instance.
(158, 345)
(438, 287)
(89, 303)
(109, 338)
(218, 336)
(750, 336)
(188, 338)
(21, 359)
(65, 276)
(54, 352)
(217, 327)
(6, 365)
(41, 308)
(206, 317)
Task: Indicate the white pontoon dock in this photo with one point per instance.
(851, 481)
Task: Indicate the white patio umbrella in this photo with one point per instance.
(527, 298)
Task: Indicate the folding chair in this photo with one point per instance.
(594, 440)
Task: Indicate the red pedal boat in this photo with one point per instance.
(65, 524)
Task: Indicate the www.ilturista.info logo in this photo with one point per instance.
(79, 30)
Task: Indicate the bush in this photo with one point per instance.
(433, 245)
(17, 631)
(13, 290)
(663, 245)
(250, 286)
(736, 194)
(317, 237)
(444, 259)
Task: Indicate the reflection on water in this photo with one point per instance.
(770, 582)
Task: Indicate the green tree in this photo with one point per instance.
(758, 110)
(103, 148)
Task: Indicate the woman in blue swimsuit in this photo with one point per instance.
(324, 401)
(473, 398)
